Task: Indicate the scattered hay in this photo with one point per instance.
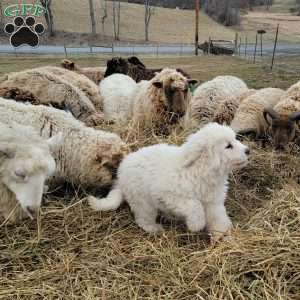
(72, 252)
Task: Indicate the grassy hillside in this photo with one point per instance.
(167, 25)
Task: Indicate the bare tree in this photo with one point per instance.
(1, 18)
(116, 18)
(92, 15)
(149, 10)
(268, 3)
(48, 15)
(104, 16)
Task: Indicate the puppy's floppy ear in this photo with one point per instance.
(194, 153)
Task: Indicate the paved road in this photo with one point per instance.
(282, 49)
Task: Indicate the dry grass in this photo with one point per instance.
(75, 253)
(167, 25)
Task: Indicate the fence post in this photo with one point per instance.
(240, 46)
(261, 46)
(112, 48)
(254, 58)
(236, 43)
(275, 45)
(157, 45)
(209, 43)
(246, 45)
(65, 49)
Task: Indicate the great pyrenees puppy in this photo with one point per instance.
(187, 181)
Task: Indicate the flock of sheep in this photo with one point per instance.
(50, 119)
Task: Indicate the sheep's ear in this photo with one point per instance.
(192, 81)
(68, 64)
(7, 151)
(271, 113)
(294, 117)
(55, 142)
(158, 84)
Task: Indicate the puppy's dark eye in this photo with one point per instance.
(229, 146)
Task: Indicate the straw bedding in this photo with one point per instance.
(72, 252)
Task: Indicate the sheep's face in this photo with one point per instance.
(116, 65)
(26, 170)
(283, 128)
(68, 64)
(176, 94)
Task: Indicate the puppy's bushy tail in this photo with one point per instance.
(111, 202)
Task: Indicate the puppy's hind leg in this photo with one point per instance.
(145, 217)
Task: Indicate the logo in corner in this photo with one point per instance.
(24, 30)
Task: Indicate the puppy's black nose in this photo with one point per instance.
(247, 151)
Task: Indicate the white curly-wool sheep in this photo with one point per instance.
(117, 91)
(208, 95)
(249, 115)
(188, 181)
(88, 157)
(290, 103)
(42, 87)
(87, 86)
(162, 100)
(25, 164)
(227, 108)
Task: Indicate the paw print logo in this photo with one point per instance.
(24, 32)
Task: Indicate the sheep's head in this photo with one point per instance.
(135, 61)
(283, 127)
(25, 168)
(116, 65)
(68, 64)
(175, 89)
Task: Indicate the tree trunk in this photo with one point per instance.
(1, 18)
(92, 15)
(148, 14)
(116, 18)
(104, 17)
(48, 15)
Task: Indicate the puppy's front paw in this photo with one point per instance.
(221, 236)
(151, 228)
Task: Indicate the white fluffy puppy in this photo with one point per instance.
(188, 181)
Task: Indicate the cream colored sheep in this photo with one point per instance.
(208, 95)
(96, 74)
(162, 100)
(90, 89)
(284, 118)
(88, 157)
(227, 108)
(41, 87)
(25, 164)
(249, 116)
